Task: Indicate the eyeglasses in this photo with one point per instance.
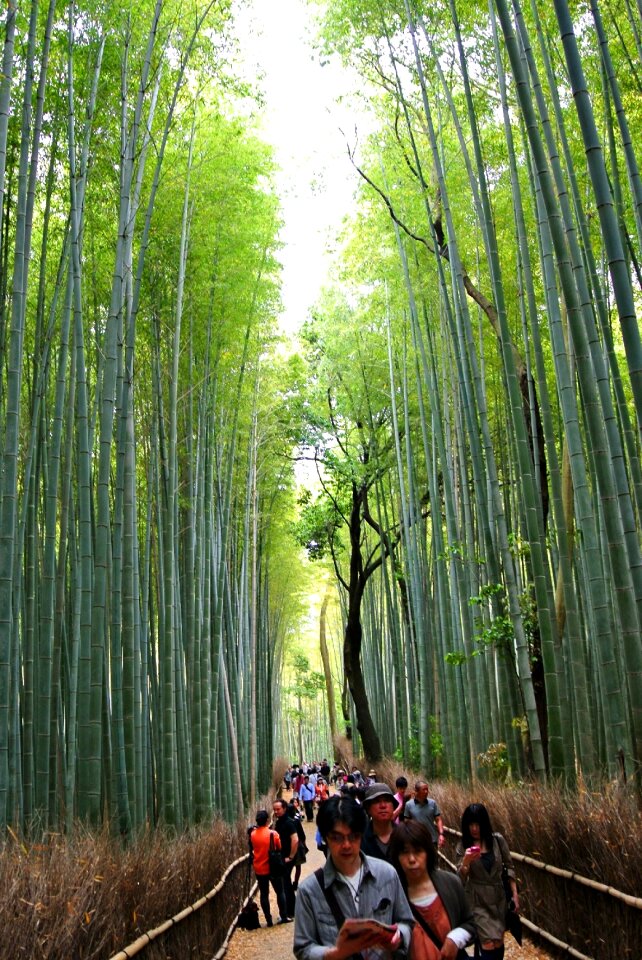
(335, 837)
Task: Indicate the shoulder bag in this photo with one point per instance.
(512, 919)
(333, 903)
(275, 859)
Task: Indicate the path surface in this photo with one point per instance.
(275, 943)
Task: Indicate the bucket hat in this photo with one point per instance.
(376, 790)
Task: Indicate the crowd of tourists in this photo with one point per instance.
(381, 893)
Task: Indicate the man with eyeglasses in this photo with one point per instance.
(355, 904)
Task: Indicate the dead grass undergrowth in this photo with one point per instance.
(592, 833)
(88, 897)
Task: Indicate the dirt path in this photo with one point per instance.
(275, 943)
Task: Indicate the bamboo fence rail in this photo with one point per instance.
(146, 938)
(630, 901)
(626, 898)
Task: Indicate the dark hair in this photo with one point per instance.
(410, 834)
(340, 809)
(401, 782)
(476, 813)
(262, 817)
(282, 802)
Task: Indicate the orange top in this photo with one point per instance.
(322, 791)
(260, 840)
(435, 916)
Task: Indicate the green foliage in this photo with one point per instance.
(494, 762)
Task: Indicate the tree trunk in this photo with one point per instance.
(353, 634)
(325, 657)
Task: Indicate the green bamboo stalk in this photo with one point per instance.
(618, 268)
(591, 406)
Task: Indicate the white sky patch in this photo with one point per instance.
(309, 113)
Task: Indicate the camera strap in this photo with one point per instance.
(333, 903)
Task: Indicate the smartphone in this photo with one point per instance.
(356, 926)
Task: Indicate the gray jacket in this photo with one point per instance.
(380, 896)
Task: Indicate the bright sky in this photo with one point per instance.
(304, 122)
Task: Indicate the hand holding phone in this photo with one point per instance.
(355, 926)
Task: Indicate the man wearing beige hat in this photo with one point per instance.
(379, 804)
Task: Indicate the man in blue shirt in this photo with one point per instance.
(307, 793)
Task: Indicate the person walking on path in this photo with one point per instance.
(424, 809)
(262, 839)
(379, 804)
(301, 851)
(400, 798)
(287, 831)
(350, 888)
(482, 858)
(307, 794)
(444, 919)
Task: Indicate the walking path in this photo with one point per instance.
(275, 943)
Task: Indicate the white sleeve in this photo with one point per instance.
(461, 937)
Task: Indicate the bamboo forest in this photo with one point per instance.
(442, 462)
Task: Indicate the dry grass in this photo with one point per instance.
(279, 767)
(593, 834)
(89, 897)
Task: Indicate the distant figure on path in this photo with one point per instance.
(287, 831)
(294, 813)
(424, 809)
(307, 794)
(400, 798)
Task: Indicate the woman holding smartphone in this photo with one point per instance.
(444, 919)
(482, 856)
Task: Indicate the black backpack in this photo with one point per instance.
(249, 917)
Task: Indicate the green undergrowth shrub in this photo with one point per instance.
(88, 896)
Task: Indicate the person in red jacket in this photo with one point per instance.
(321, 791)
(260, 838)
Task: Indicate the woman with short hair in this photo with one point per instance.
(262, 839)
(437, 900)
